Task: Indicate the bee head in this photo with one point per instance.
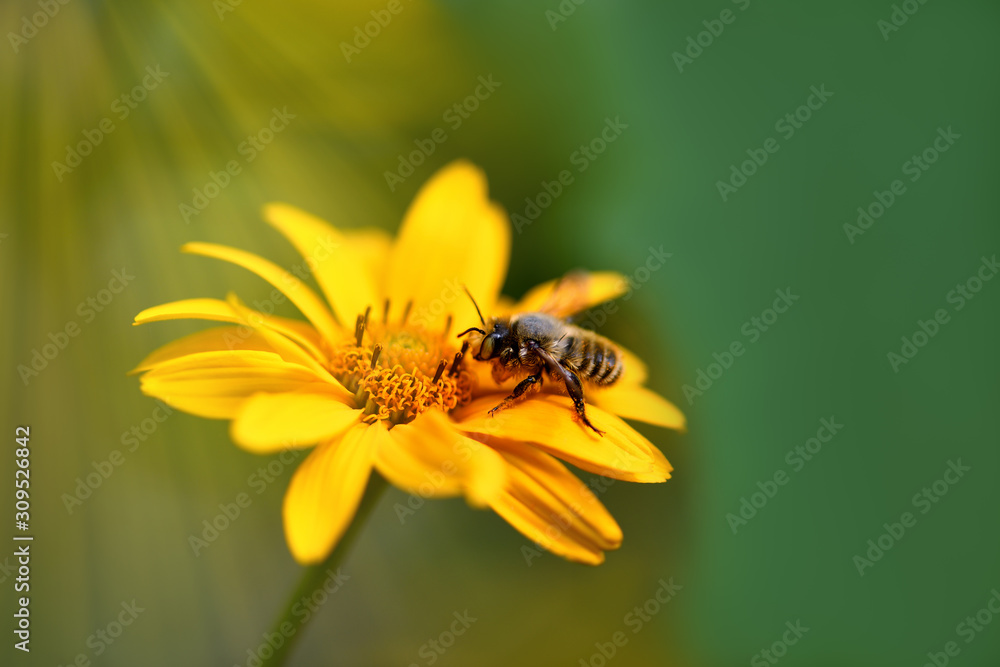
(493, 343)
(498, 343)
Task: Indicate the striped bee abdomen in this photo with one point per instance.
(593, 358)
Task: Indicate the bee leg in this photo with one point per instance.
(575, 390)
(500, 373)
(531, 383)
(572, 382)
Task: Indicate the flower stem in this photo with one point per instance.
(314, 575)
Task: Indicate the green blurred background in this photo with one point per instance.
(227, 65)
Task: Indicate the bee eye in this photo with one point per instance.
(486, 351)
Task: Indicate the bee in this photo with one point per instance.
(533, 344)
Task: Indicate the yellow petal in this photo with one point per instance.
(452, 235)
(188, 309)
(634, 402)
(522, 514)
(325, 492)
(300, 331)
(220, 311)
(549, 422)
(272, 422)
(429, 458)
(576, 292)
(215, 339)
(222, 359)
(373, 247)
(284, 346)
(298, 292)
(554, 493)
(343, 273)
(636, 371)
(215, 384)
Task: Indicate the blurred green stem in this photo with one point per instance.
(314, 576)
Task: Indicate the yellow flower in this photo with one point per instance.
(393, 392)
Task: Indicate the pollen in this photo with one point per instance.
(398, 370)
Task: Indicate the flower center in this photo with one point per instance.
(397, 371)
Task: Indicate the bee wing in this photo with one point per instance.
(577, 291)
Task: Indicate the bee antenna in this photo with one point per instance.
(470, 330)
(478, 312)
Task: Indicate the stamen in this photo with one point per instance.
(368, 311)
(447, 325)
(385, 312)
(397, 372)
(359, 330)
(458, 358)
(406, 311)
